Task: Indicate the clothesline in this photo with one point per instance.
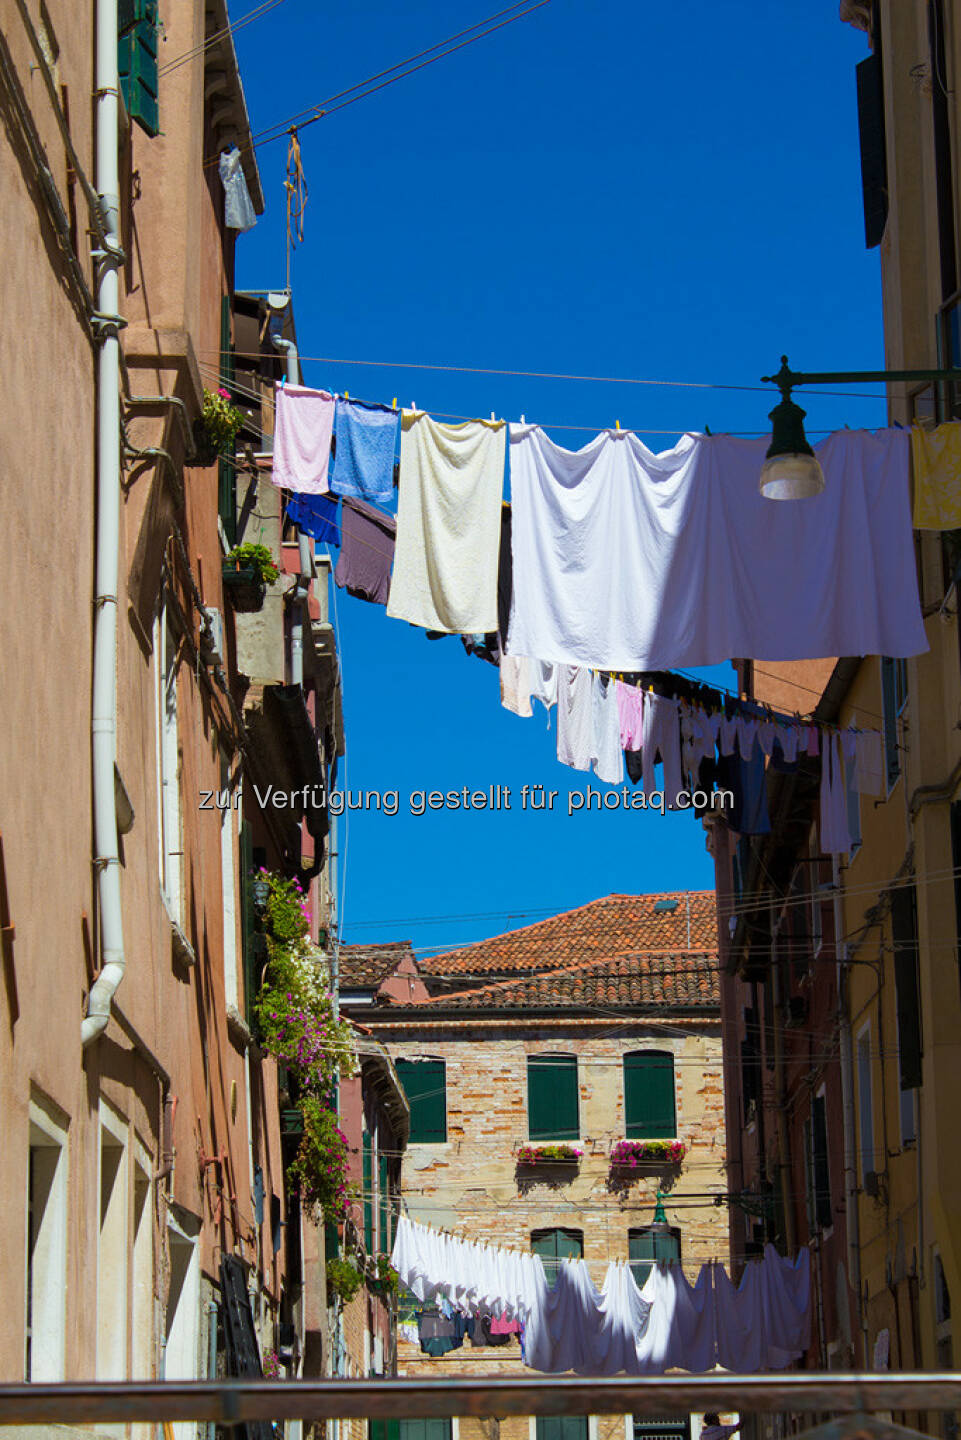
(570, 1324)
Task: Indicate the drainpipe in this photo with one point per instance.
(212, 1312)
(298, 595)
(851, 1203)
(104, 722)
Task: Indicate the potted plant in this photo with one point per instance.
(557, 1153)
(216, 427)
(343, 1281)
(628, 1155)
(247, 571)
(385, 1280)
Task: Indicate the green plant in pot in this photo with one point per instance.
(216, 427)
(343, 1280)
(256, 558)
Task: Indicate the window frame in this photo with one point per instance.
(634, 1129)
(400, 1064)
(170, 809)
(637, 1232)
(45, 1246)
(552, 1263)
(894, 699)
(570, 1066)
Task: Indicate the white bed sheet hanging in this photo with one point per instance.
(624, 559)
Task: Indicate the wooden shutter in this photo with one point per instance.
(137, 62)
(425, 1085)
(889, 707)
(904, 926)
(552, 1108)
(561, 1427)
(226, 475)
(874, 159)
(383, 1234)
(368, 1179)
(649, 1111)
(645, 1247)
(821, 1167)
(248, 924)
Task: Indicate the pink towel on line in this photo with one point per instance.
(303, 427)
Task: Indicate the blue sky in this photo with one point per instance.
(610, 189)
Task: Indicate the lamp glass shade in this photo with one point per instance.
(791, 477)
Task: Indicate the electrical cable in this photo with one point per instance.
(552, 375)
(231, 29)
(366, 87)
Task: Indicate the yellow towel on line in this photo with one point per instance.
(936, 455)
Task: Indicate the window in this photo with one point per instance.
(168, 766)
(904, 929)
(438, 1428)
(751, 1066)
(383, 1215)
(228, 871)
(560, 1427)
(865, 1102)
(226, 474)
(181, 1357)
(894, 694)
(854, 815)
(552, 1101)
(874, 164)
(141, 1358)
(649, 1110)
(46, 1278)
(137, 61)
(820, 1164)
(553, 1246)
(112, 1248)
(645, 1247)
(368, 1177)
(660, 1427)
(425, 1085)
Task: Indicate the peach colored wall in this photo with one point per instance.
(175, 279)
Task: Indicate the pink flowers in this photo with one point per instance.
(559, 1153)
(628, 1154)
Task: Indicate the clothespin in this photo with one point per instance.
(346, 394)
(707, 429)
(393, 403)
(617, 424)
(523, 420)
(493, 418)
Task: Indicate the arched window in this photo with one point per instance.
(649, 1109)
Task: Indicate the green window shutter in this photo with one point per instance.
(904, 926)
(552, 1109)
(248, 923)
(425, 1085)
(383, 1236)
(137, 61)
(874, 160)
(384, 1429)
(646, 1247)
(331, 1240)
(556, 1245)
(226, 476)
(889, 708)
(649, 1110)
(561, 1427)
(434, 1429)
(368, 1176)
(821, 1168)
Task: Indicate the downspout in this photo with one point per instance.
(104, 720)
(212, 1312)
(298, 595)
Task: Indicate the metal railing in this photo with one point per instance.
(231, 1401)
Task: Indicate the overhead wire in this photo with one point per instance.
(196, 51)
(364, 88)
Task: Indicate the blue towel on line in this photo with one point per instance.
(363, 461)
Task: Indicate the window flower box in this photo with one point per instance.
(244, 586)
(641, 1155)
(557, 1154)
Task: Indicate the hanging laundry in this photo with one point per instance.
(490, 646)
(870, 763)
(765, 1321)
(746, 780)
(575, 716)
(367, 552)
(608, 757)
(834, 829)
(662, 738)
(630, 710)
(363, 460)
(448, 524)
(524, 680)
(937, 476)
(239, 213)
(629, 560)
(303, 427)
(316, 515)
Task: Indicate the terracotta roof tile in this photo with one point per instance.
(615, 924)
(364, 967)
(670, 980)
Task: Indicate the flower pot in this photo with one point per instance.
(244, 586)
(206, 451)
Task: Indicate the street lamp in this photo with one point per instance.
(791, 470)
